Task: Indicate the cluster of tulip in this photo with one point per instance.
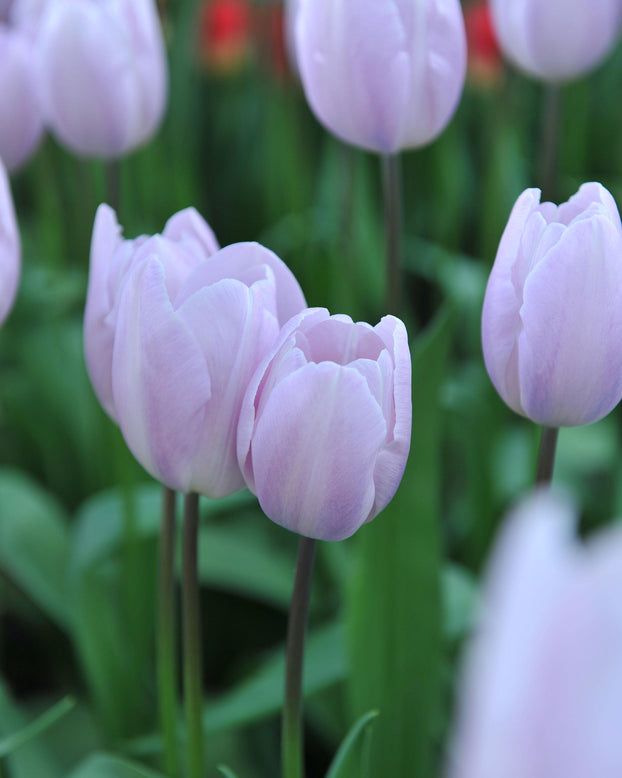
(93, 73)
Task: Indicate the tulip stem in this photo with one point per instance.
(167, 671)
(292, 734)
(392, 188)
(546, 461)
(549, 145)
(193, 685)
(113, 185)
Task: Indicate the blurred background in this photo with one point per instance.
(79, 518)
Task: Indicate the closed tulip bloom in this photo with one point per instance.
(557, 40)
(10, 250)
(552, 318)
(541, 691)
(183, 358)
(383, 75)
(185, 242)
(21, 123)
(324, 430)
(103, 74)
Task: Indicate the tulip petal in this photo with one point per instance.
(161, 383)
(570, 360)
(10, 249)
(314, 450)
(191, 232)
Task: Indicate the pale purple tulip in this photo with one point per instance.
(10, 250)
(21, 123)
(383, 75)
(556, 40)
(183, 357)
(541, 692)
(185, 242)
(324, 430)
(552, 318)
(103, 74)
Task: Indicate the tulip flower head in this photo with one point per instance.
(541, 692)
(552, 318)
(21, 123)
(185, 242)
(184, 353)
(383, 75)
(10, 251)
(324, 429)
(103, 74)
(557, 40)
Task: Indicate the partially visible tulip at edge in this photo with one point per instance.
(184, 353)
(186, 241)
(557, 40)
(385, 76)
(103, 74)
(552, 315)
(21, 122)
(541, 688)
(325, 425)
(10, 248)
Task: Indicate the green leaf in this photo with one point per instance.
(31, 731)
(109, 766)
(34, 543)
(346, 750)
(33, 758)
(226, 771)
(394, 611)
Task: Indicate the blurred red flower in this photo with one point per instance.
(225, 28)
(485, 63)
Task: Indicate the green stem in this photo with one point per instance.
(292, 735)
(546, 461)
(167, 666)
(549, 144)
(392, 190)
(193, 685)
(113, 184)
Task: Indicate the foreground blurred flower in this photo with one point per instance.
(541, 694)
(557, 40)
(382, 75)
(552, 318)
(184, 354)
(484, 56)
(103, 74)
(21, 124)
(185, 242)
(324, 429)
(10, 250)
(225, 34)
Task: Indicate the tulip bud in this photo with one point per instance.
(383, 75)
(103, 74)
(324, 430)
(541, 692)
(185, 242)
(10, 251)
(552, 318)
(21, 124)
(557, 40)
(183, 357)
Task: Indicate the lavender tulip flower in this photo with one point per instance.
(103, 74)
(552, 318)
(184, 354)
(384, 75)
(185, 242)
(324, 430)
(541, 693)
(21, 123)
(556, 40)
(10, 251)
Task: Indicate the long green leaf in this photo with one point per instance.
(394, 612)
(109, 766)
(347, 747)
(11, 743)
(226, 771)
